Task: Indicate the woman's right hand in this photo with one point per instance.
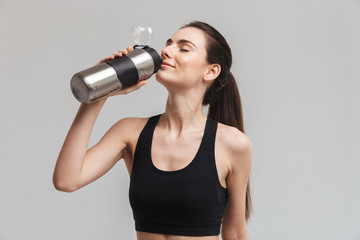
(127, 89)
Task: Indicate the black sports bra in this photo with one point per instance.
(186, 202)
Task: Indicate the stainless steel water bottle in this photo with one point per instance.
(102, 79)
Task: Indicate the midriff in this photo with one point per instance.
(158, 236)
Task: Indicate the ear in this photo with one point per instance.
(212, 72)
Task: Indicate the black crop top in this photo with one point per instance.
(186, 202)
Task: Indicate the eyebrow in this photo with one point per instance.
(170, 41)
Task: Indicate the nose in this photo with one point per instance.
(165, 53)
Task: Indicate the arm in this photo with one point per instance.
(74, 150)
(234, 224)
(76, 166)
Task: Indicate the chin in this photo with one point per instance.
(167, 81)
(160, 76)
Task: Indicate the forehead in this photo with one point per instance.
(192, 34)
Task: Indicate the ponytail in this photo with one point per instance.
(224, 102)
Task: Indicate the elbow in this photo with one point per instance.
(62, 184)
(63, 187)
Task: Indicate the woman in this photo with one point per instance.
(188, 173)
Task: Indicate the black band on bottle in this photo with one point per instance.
(125, 70)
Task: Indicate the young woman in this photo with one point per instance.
(189, 173)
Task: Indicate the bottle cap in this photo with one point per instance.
(142, 35)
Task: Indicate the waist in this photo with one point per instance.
(212, 230)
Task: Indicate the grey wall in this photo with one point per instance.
(297, 64)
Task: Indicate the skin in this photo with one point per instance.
(176, 139)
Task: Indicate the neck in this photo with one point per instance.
(183, 112)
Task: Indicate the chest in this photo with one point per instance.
(169, 154)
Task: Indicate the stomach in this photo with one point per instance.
(158, 236)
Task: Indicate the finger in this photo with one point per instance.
(135, 87)
(123, 51)
(110, 57)
(129, 48)
(141, 83)
(118, 54)
(103, 60)
(129, 89)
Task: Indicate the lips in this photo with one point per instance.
(165, 64)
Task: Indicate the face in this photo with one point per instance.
(184, 59)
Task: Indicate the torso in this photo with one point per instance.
(178, 154)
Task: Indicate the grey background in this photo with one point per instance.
(297, 67)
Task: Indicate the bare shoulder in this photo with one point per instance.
(236, 144)
(130, 126)
(130, 122)
(233, 138)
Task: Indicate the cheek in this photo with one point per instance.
(183, 61)
(190, 63)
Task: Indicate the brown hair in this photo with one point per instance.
(223, 95)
